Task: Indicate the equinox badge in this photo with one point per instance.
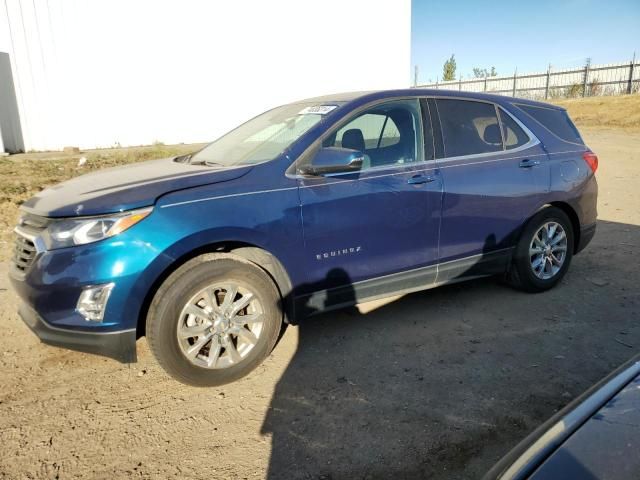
(338, 253)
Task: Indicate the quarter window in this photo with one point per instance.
(556, 120)
(514, 136)
(469, 128)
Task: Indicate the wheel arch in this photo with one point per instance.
(575, 221)
(264, 259)
(569, 211)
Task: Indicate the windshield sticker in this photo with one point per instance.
(317, 110)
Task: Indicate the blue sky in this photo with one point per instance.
(526, 35)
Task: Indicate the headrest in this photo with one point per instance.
(492, 134)
(353, 139)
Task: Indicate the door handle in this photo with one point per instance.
(421, 179)
(528, 163)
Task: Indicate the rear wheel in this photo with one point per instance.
(544, 251)
(214, 320)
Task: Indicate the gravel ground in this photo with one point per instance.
(436, 384)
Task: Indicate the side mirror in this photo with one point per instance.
(334, 160)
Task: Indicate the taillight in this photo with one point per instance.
(592, 160)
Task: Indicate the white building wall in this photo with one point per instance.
(96, 73)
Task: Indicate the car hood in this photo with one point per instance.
(125, 188)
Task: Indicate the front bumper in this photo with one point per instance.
(119, 345)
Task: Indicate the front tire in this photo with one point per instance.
(544, 251)
(214, 320)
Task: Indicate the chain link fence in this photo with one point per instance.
(590, 80)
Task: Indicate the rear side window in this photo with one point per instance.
(469, 128)
(514, 136)
(556, 121)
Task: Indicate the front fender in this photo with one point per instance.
(269, 221)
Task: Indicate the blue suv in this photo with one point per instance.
(311, 206)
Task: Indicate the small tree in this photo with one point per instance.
(449, 69)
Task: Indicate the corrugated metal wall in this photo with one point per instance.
(97, 73)
(10, 129)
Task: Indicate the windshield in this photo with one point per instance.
(263, 137)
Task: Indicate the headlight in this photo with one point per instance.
(78, 231)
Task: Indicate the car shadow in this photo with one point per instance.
(442, 383)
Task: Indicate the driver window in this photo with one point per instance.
(370, 124)
(387, 134)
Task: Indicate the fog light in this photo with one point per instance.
(93, 302)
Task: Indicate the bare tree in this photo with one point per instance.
(484, 72)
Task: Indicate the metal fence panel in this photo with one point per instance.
(590, 80)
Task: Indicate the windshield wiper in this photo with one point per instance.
(189, 159)
(209, 163)
(183, 158)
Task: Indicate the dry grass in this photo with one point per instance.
(22, 176)
(604, 112)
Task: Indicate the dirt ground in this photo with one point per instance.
(437, 384)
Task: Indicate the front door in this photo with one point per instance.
(363, 231)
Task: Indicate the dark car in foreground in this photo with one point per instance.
(311, 206)
(595, 437)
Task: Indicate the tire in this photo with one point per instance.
(523, 274)
(200, 286)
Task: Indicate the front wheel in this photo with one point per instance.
(544, 251)
(214, 320)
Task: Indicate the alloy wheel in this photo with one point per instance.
(220, 325)
(548, 250)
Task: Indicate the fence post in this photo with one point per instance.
(485, 81)
(460, 82)
(630, 84)
(546, 88)
(586, 77)
(515, 78)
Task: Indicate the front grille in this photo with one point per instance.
(25, 250)
(24, 253)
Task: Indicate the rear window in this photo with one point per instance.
(556, 121)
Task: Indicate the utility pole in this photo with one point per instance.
(415, 75)
(631, 67)
(586, 76)
(546, 88)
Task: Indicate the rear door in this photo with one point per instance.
(377, 222)
(493, 173)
